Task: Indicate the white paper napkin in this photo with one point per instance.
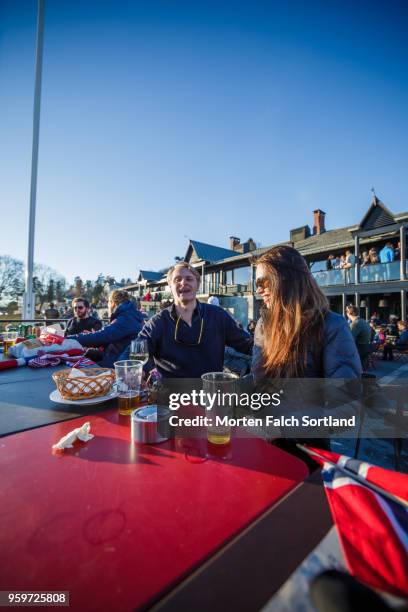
(80, 433)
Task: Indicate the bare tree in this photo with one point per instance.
(11, 278)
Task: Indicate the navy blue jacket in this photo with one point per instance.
(126, 323)
(182, 357)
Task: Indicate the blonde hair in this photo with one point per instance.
(294, 323)
(182, 264)
(118, 296)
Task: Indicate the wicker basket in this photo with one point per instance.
(84, 387)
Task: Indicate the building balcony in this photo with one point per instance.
(373, 273)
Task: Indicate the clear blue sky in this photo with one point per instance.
(162, 120)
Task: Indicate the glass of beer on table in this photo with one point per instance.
(128, 381)
(9, 339)
(222, 388)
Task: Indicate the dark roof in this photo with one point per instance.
(377, 215)
(211, 253)
(150, 276)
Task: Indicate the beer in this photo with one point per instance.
(6, 345)
(128, 404)
(218, 437)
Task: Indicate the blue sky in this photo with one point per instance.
(163, 121)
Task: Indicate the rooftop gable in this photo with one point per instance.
(377, 216)
(148, 275)
(200, 251)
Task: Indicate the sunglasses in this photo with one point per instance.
(79, 307)
(262, 282)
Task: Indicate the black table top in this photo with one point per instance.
(25, 402)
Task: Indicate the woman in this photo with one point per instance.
(298, 337)
(125, 324)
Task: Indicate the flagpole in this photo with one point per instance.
(29, 298)
(349, 473)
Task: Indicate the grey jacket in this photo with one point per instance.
(339, 358)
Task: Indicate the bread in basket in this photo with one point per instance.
(75, 384)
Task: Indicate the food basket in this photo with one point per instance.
(96, 383)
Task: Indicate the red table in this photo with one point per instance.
(118, 525)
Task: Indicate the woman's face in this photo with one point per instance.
(263, 285)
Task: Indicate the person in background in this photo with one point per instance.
(83, 321)
(350, 262)
(401, 342)
(387, 253)
(361, 332)
(251, 327)
(188, 338)
(51, 313)
(213, 300)
(125, 324)
(365, 259)
(374, 259)
(329, 262)
(392, 326)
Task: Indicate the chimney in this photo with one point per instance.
(234, 243)
(318, 221)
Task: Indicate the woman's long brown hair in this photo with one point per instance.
(294, 323)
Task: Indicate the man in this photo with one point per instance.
(361, 332)
(125, 324)
(82, 321)
(51, 313)
(188, 338)
(387, 257)
(349, 263)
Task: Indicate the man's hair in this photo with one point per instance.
(353, 310)
(118, 296)
(402, 324)
(51, 305)
(80, 299)
(182, 264)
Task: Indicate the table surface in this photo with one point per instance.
(119, 524)
(25, 403)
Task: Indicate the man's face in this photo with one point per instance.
(184, 285)
(80, 310)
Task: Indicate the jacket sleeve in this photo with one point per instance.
(340, 355)
(116, 330)
(237, 338)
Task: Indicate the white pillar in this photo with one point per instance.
(29, 298)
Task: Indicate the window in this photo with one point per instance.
(242, 276)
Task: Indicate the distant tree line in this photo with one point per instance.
(49, 285)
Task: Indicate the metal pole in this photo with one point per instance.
(29, 299)
(402, 253)
(357, 262)
(403, 305)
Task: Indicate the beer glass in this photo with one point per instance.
(222, 388)
(9, 339)
(128, 380)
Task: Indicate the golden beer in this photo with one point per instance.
(218, 437)
(128, 404)
(6, 346)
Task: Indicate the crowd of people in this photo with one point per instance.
(387, 254)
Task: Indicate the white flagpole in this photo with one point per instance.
(350, 474)
(29, 298)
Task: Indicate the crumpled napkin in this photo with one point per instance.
(80, 433)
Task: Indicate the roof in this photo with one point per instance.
(209, 252)
(148, 275)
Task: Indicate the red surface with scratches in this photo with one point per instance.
(118, 524)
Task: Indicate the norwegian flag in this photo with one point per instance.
(370, 509)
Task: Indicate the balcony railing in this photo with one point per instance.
(372, 273)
